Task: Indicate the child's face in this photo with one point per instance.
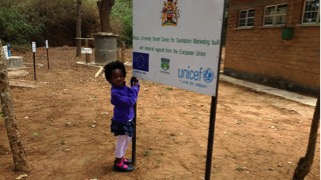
(117, 77)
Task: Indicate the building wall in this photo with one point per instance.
(260, 53)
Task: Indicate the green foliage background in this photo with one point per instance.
(122, 15)
(22, 22)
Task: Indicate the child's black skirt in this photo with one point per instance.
(119, 128)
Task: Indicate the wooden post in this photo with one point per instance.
(78, 29)
(87, 55)
(10, 120)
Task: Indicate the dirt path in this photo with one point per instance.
(64, 123)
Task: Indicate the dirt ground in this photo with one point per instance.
(64, 124)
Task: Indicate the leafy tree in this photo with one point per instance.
(37, 20)
(122, 20)
(19, 26)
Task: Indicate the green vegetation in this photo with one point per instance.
(17, 26)
(147, 153)
(22, 22)
(122, 17)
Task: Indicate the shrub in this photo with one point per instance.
(19, 27)
(122, 20)
(38, 20)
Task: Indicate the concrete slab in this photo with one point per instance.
(15, 61)
(93, 64)
(270, 90)
(22, 84)
(17, 73)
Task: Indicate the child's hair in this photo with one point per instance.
(114, 65)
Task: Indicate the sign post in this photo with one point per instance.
(47, 49)
(34, 59)
(134, 137)
(87, 51)
(178, 43)
(5, 50)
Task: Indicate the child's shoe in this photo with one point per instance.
(122, 167)
(127, 161)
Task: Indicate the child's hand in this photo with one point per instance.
(134, 81)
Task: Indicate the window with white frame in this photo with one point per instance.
(246, 18)
(311, 12)
(275, 15)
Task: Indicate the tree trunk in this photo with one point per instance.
(104, 8)
(78, 29)
(10, 120)
(305, 163)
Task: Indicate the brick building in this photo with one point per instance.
(275, 42)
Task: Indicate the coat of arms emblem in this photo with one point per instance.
(170, 13)
(165, 63)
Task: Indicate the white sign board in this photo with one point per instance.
(5, 50)
(86, 50)
(178, 42)
(33, 46)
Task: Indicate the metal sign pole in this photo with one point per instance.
(134, 137)
(34, 59)
(34, 66)
(210, 142)
(48, 57)
(211, 129)
(47, 49)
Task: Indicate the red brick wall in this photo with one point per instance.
(261, 50)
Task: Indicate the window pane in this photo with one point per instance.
(311, 11)
(307, 5)
(313, 16)
(305, 18)
(270, 11)
(243, 14)
(242, 22)
(244, 17)
(312, 5)
(310, 17)
(251, 13)
(268, 21)
(315, 6)
(282, 9)
(280, 19)
(250, 22)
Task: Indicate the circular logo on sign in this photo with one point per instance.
(208, 75)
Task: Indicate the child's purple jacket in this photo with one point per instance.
(124, 98)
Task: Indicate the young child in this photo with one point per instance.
(123, 98)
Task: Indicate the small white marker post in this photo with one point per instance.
(47, 49)
(34, 59)
(5, 50)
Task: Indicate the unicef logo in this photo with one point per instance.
(196, 75)
(208, 75)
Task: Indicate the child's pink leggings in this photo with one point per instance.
(122, 145)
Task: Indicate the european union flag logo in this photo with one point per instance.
(141, 61)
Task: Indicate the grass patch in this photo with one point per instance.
(147, 153)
